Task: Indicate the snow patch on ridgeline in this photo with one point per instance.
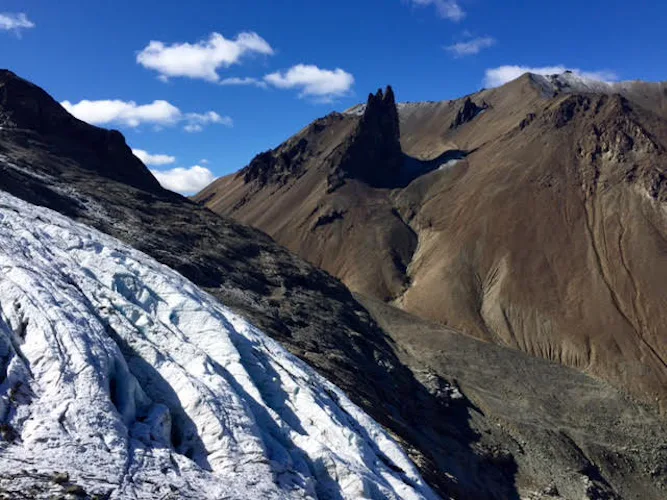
(569, 82)
(402, 107)
(356, 110)
(119, 372)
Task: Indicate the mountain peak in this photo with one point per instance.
(24, 105)
(26, 108)
(378, 96)
(381, 99)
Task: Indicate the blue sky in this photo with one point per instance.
(180, 98)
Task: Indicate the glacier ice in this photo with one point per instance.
(120, 373)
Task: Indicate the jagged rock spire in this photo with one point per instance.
(381, 114)
(371, 151)
(374, 154)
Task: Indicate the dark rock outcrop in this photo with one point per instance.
(373, 153)
(23, 105)
(369, 151)
(467, 113)
(279, 165)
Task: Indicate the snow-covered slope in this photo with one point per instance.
(402, 107)
(651, 94)
(120, 373)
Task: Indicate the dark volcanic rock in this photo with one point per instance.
(370, 152)
(373, 153)
(467, 113)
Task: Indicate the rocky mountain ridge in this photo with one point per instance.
(538, 224)
(26, 108)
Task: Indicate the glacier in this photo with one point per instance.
(120, 378)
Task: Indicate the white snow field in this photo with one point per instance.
(119, 372)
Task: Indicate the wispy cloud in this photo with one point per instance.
(236, 82)
(195, 122)
(184, 180)
(471, 47)
(132, 115)
(311, 81)
(15, 22)
(495, 77)
(447, 9)
(150, 159)
(201, 60)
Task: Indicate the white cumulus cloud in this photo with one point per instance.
(15, 22)
(447, 9)
(130, 114)
(184, 180)
(202, 59)
(313, 81)
(471, 47)
(150, 159)
(495, 77)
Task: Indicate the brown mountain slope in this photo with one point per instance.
(530, 215)
(516, 394)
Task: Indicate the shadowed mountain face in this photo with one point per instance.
(479, 420)
(537, 220)
(25, 109)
